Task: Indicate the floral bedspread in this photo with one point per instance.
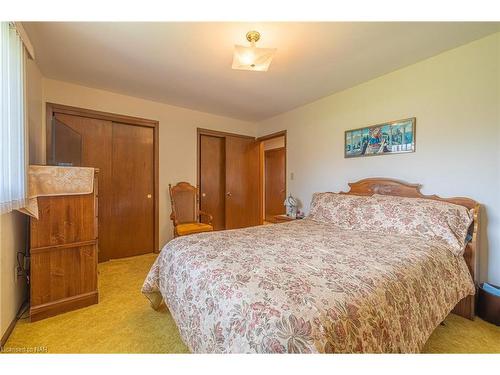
(306, 287)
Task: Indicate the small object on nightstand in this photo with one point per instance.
(291, 206)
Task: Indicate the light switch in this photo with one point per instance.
(291, 176)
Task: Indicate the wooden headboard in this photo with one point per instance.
(387, 186)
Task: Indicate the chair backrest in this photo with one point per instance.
(184, 200)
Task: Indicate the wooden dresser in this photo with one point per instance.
(63, 245)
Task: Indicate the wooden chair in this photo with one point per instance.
(185, 213)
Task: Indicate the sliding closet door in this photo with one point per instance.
(86, 142)
(242, 182)
(213, 179)
(132, 226)
(124, 155)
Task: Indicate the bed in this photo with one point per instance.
(339, 281)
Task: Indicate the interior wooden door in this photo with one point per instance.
(132, 226)
(274, 166)
(213, 178)
(242, 182)
(89, 145)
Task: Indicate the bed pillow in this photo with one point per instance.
(337, 209)
(434, 220)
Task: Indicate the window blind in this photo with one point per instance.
(12, 126)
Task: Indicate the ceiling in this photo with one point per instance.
(189, 64)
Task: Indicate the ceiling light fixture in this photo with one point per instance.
(252, 58)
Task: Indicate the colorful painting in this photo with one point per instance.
(389, 138)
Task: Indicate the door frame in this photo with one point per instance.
(261, 139)
(52, 108)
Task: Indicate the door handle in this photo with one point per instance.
(203, 195)
(228, 194)
(149, 196)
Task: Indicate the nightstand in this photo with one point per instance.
(282, 218)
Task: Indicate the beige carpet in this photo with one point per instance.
(123, 322)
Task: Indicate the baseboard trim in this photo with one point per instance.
(11, 326)
(63, 305)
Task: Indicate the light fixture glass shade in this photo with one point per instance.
(252, 58)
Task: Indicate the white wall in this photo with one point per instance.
(455, 98)
(177, 140)
(13, 291)
(36, 132)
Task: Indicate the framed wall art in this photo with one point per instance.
(393, 137)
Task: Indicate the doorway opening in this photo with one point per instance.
(273, 175)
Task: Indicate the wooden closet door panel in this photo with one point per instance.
(213, 179)
(242, 182)
(133, 190)
(275, 181)
(96, 152)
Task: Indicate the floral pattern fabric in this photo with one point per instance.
(306, 287)
(431, 219)
(44, 180)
